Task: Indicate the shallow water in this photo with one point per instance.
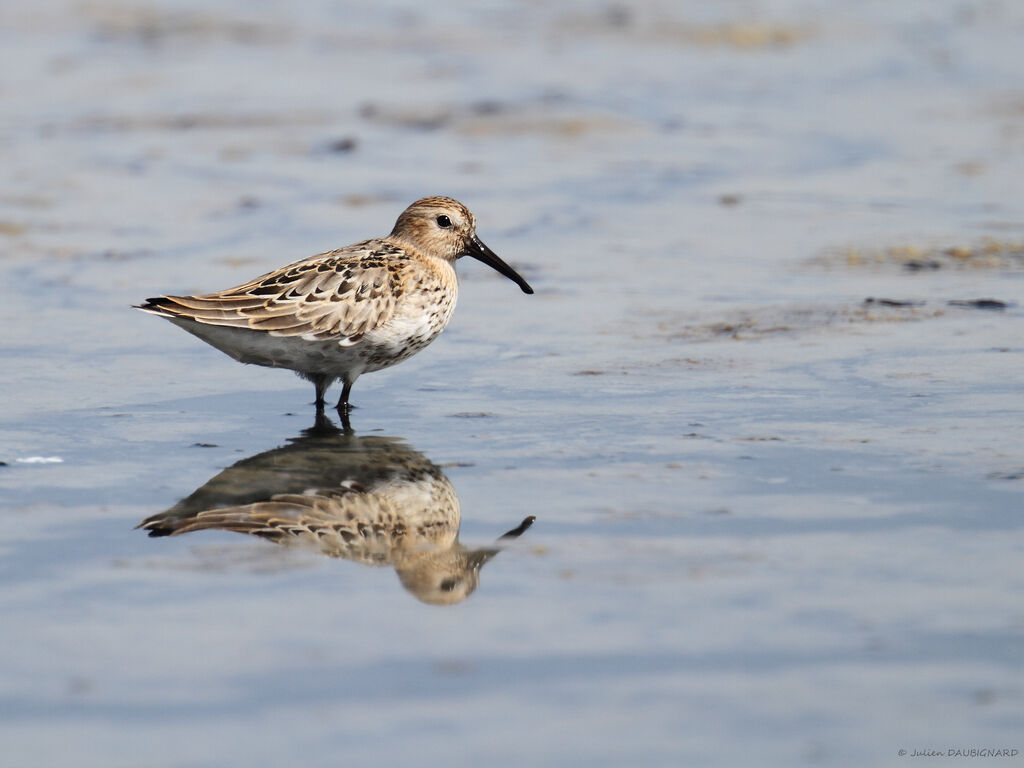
(776, 523)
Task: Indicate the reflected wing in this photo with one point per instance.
(347, 513)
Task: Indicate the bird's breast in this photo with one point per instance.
(422, 310)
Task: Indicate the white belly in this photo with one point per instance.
(405, 335)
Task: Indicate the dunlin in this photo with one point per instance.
(343, 313)
(372, 500)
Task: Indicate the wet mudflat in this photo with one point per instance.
(765, 404)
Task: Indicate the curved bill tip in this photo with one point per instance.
(520, 529)
(481, 252)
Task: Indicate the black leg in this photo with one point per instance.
(321, 383)
(343, 404)
(344, 408)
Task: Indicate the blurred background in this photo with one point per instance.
(765, 403)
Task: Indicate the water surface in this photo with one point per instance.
(776, 523)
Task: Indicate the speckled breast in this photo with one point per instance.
(419, 318)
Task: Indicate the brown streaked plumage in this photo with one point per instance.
(343, 313)
(372, 500)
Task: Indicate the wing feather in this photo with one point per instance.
(337, 295)
(289, 515)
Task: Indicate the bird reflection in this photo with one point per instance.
(373, 500)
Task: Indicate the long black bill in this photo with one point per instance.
(481, 556)
(482, 253)
(519, 530)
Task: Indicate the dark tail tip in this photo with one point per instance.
(155, 528)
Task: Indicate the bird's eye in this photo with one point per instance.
(443, 221)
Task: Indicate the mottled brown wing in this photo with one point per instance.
(285, 514)
(337, 295)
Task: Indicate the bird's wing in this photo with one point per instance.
(336, 295)
(289, 514)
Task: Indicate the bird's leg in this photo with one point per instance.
(343, 404)
(321, 383)
(344, 409)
